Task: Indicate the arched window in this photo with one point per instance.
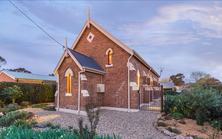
(69, 83)
(68, 75)
(151, 81)
(109, 57)
(109, 53)
(138, 79)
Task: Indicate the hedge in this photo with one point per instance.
(34, 93)
(217, 87)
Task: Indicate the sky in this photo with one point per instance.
(180, 36)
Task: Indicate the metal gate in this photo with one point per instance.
(151, 98)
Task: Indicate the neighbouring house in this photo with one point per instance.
(99, 66)
(20, 77)
(167, 86)
(178, 89)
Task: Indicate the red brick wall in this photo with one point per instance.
(91, 86)
(5, 78)
(70, 102)
(115, 79)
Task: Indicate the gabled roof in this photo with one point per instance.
(83, 62)
(114, 39)
(21, 75)
(86, 61)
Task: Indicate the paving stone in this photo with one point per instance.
(40, 125)
(179, 137)
(188, 137)
(168, 133)
(173, 135)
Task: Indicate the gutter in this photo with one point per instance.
(79, 77)
(129, 82)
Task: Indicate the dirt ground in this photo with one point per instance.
(191, 128)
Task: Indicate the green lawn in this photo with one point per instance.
(40, 106)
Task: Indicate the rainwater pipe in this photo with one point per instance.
(79, 73)
(58, 94)
(129, 82)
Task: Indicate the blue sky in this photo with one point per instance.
(181, 36)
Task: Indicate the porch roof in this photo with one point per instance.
(86, 61)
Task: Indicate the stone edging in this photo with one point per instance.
(166, 132)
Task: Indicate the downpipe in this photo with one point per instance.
(129, 83)
(79, 89)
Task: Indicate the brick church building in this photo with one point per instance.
(98, 65)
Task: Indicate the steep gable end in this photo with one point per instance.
(111, 37)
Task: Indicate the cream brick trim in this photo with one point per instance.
(109, 65)
(109, 49)
(68, 71)
(102, 108)
(72, 111)
(134, 85)
(68, 94)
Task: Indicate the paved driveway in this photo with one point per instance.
(138, 125)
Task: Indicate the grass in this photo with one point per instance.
(40, 106)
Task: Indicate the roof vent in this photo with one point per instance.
(90, 37)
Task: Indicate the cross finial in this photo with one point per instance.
(88, 18)
(66, 44)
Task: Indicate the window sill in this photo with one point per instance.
(68, 94)
(109, 65)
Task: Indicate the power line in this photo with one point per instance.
(36, 24)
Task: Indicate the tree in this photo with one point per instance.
(196, 75)
(207, 80)
(51, 74)
(2, 61)
(12, 92)
(178, 79)
(20, 70)
(166, 80)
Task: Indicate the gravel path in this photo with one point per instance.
(128, 125)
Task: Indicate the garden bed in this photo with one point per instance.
(186, 127)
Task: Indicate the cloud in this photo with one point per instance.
(206, 43)
(209, 53)
(206, 20)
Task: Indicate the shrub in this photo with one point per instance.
(49, 124)
(200, 118)
(12, 93)
(170, 92)
(1, 104)
(199, 99)
(176, 131)
(13, 132)
(34, 93)
(24, 104)
(23, 123)
(10, 107)
(161, 124)
(10, 117)
(178, 116)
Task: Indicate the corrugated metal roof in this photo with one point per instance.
(86, 61)
(167, 85)
(22, 75)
